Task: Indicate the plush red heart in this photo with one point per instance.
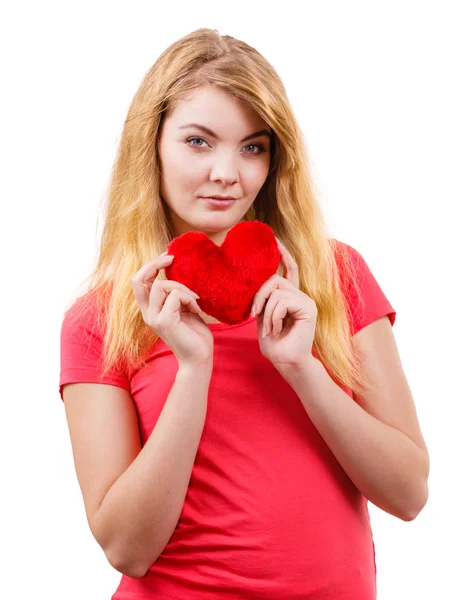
(225, 277)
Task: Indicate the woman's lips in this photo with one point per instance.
(219, 203)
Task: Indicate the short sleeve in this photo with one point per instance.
(369, 302)
(81, 351)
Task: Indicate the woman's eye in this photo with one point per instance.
(194, 138)
(259, 147)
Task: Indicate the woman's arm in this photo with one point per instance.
(141, 509)
(383, 463)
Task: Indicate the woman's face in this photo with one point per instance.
(228, 160)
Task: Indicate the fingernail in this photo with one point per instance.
(170, 257)
(253, 310)
(196, 296)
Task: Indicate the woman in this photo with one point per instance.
(236, 460)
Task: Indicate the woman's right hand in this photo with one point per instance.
(171, 310)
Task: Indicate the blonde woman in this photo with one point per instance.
(233, 461)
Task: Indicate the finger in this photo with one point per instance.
(172, 284)
(175, 301)
(291, 305)
(279, 313)
(286, 304)
(273, 300)
(139, 289)
(147, 298)
(149, 272)
(161, 289)
(290, 265)
(275, 282)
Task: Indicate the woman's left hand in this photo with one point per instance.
(289, 317)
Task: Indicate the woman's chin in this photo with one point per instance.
(217, 219)
(215, 227)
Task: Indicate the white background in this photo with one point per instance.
(376, 88)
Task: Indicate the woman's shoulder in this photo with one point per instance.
(85, 312)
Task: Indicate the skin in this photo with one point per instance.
(194, 163)
(380, 447)
(206, 167)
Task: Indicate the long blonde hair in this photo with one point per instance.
(137, 226)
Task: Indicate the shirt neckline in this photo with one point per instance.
(221, 326)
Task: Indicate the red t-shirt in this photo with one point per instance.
(269, 512)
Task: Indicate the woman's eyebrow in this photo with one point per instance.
(265, 132)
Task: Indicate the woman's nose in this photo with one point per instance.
(225, 170)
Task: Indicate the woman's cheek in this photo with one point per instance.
(257, 175)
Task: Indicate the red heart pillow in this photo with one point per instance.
(225, 277)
